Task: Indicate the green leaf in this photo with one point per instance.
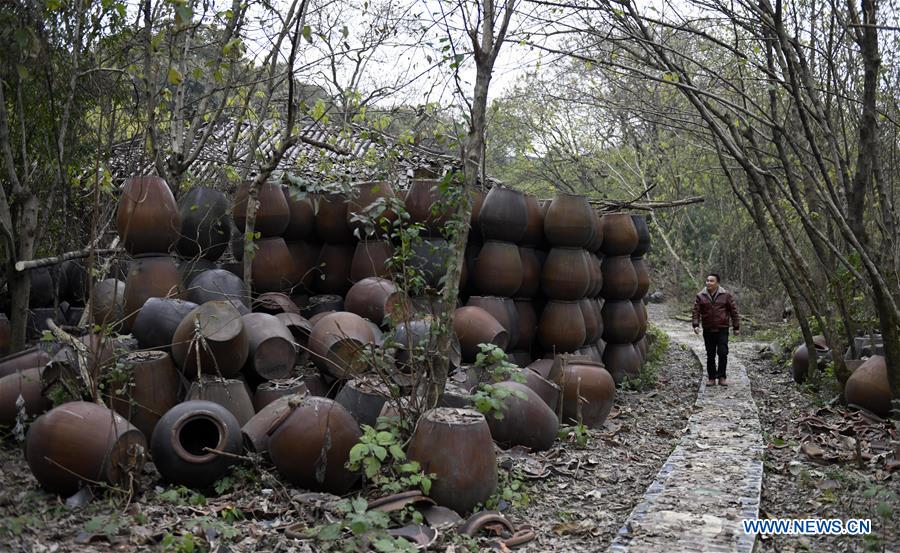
(232, 45)
(357, 452)
(307, 33)
(329, 532)
(379, 452)
(426, 485)
(345, 31)
(183, 15)
(384, 438)
(372, 466)
(175, 77)
(397, 452)
(22, 71)
(359, 504)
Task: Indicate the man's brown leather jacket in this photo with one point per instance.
(715, 312)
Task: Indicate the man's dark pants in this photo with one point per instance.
(716, 342)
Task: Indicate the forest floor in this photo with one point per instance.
(575, 496)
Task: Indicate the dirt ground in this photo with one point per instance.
(576, 498)
(814, 470)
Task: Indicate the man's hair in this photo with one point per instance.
(718, 279)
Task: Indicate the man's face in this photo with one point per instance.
(711, 283)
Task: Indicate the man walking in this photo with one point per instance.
(714, 307)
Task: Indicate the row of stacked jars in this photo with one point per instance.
(558, 303)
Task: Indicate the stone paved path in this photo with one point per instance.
(712, 479)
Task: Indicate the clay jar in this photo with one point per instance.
(548, 391)
(364, 398)
(477, 198)
(107, 302)
(643, 232)
(375, 299)
(531, 273)
(641, 347)
(421, 198)
(273, 268)
(502, 309)
(527, 420)
(620, 236)
(221, 342)
(231, 393)
(800, 358)
(595, 269)
(5, 334)
(182, 436)
(565, 275)
(596, 233)
(191, 268)
(302, 220)
(371, 200)
(593, 320)
(561, 326)
(641, 311)
(504, 215)
(274, 303)
(528, 323)
(80, 442)
(619, 278)
(147, 219)
(432, 258)
(337, 343)
(149, 277)
(622, 361)
(370, 260)
(868, 387)
(443, 438)
(498, 270)
(26, 383)
(473, 326)
(270, 391)
(331, 218)
(272, 351)
(149, 389)
(335, 261)
(306, 258)
(27, 359)
(643, 278)
(299, 327)
(311, 446)
(588, 390)
(219, 285)
(621, 324)
(256, 431)
(272, 213)
(569, 221)
(205, 228)
(534, 231)
(155, 325)
(41, 288)
(417, 335)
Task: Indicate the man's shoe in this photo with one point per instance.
(711, 382)
(722, 382)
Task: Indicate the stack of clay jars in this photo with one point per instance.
(624, 315)
(643, 282)
(149, 223)
(570, 278)
(273, 268)
(503, 223)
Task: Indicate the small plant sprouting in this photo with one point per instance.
(488, 398)
(379, 454)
